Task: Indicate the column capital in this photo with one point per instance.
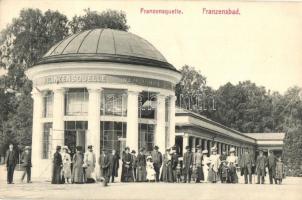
(59, 90)
(133, 92)
(36, 92)
(94, 89)
(173, 98)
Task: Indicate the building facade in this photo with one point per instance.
(113, 89)
(105, 88)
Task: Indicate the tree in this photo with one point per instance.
(92, 19)
(22, 44)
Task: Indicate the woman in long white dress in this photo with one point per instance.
(150, 169)
(232, 162)
(66, 159)
(206, 163)
(213, 176)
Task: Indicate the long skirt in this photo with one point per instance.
(127, 174)
(233, 178)
(205, 172)
(77, 174)
(56, 175)
(167, 174)
(66, 171)
(199, 174)
(213, 176)
(141, 174)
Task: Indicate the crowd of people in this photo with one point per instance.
(195, 166)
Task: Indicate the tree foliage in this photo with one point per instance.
(92, 19)
(22, 44)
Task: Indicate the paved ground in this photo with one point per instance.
(291, 189)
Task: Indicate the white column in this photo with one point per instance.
(58, 119)
(132, 121)
(37, 132)
(160, 129)
(171, 120)
(185, 142)
(193, 144)
(205, 144)
(93, 134)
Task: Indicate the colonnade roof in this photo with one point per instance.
(211, 125)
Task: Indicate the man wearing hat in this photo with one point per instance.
(271, 165)
(246, 163)
(206, 163)
(197, 164)
(260, 167)
(134, 164)
(127, 173)
(187, 165)
(141, 166)
(174, 161)
(104, 163)
(89, 162)
(157, 161)
(57, 167)
(10, 161)
(26, 164)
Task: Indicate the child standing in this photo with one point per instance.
(224, 172)
(279, 170)
(150, 170)
(178, 173)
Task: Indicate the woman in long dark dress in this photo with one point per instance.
(127, 166)
(78, 171)
(57, 167)
(141, 166)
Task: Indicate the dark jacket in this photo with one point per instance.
(260, 165)
(141, 160)
(188, 160)
(246, 161)
(26, 159)
(104, 161)
(10, 158)
(174, 161)
(271, 161)
(114, 164)
(157, 158)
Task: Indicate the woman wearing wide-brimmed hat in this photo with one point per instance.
(78, 171)
(213, 176)
(232, 162)
(66, 170)
(127, 173)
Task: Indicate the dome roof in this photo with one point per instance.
(106, 45)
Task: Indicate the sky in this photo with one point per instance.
(263, 44)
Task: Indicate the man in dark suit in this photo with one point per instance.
(104, 163)
(10, 161)
(246, 164)
(114, 165)
(26, 164)
(260, 167)
(271, 164)
(187, 165)
(157, 161)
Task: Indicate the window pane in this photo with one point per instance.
(76, 101)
